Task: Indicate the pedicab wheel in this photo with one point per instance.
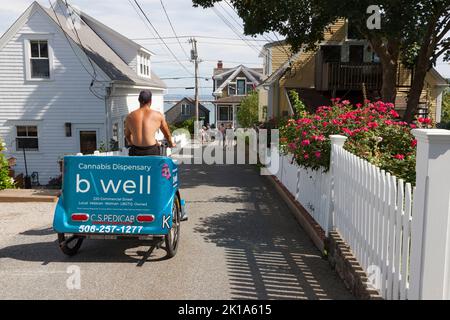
(69, 246)
(171, 240)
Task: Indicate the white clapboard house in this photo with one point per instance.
(67, 82)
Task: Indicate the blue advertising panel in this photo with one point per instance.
(117, 195)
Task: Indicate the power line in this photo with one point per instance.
(162, 40)
(200, 37)
(93, 76)
(225, 20)
(282, 49)
(173, 29)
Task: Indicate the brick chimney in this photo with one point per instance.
(219, 64)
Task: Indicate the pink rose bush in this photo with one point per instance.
(374, 132)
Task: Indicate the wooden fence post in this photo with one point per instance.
(430, 243)
(338, 141)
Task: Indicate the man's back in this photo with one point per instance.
(143, 125)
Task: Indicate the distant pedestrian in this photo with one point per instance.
(222, 131)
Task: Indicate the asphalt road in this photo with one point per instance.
(240, 242)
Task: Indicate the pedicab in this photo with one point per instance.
(119, 197)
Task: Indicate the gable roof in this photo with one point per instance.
(94, 46)
(277, 74)
(190, 101)
(253, 74)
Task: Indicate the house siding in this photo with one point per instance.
(51, 104)
(304, 72)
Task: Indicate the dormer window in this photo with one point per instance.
(144, 65)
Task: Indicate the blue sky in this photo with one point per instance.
(187, 21)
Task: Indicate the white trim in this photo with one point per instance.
(27, 54)
(29, 123)
(439, 107)
(18, 24)
(88, 127)
(289, 101)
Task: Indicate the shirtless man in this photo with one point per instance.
(141, 126)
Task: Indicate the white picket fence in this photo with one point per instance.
(400, 236)
(372, 212)
(309, 187)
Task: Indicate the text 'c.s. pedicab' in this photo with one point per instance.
(115, 197)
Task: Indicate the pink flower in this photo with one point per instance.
(347, 131)
(346, 102)
(325, 124)
(424, 120)
(414, 143)
(306, 143)
(413, 126)
(358, 105)
(372, 125)
(306, 156)
(399, 157)
(292, 146)
(318, 154)
(394, 113)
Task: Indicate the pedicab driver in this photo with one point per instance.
(142, 125)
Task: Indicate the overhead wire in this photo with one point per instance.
(173, 29)
(162, 40)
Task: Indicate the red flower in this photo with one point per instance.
(306, 143)
(414, 143)
(399, 157)
(424, 120)
(394, 113)
(372, 125)
(347, 131)
(318, 154)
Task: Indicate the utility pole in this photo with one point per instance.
(194, 58)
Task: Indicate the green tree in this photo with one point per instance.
(247, 115)
(416, 31)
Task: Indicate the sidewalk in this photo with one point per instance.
(30, 195)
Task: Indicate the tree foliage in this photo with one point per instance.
(247, 115)
(414, 31)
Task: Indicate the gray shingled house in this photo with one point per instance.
(185, 110)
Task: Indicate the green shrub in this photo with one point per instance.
(6, 182)
(373, 130)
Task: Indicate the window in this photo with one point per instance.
(226, 113)
(144, 65)
(241, 87)
(356, 54)
(185, 109)
(39, 59)
(27, 138)
(232, 89)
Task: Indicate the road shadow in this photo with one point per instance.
(268, 256)
(92, 251)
